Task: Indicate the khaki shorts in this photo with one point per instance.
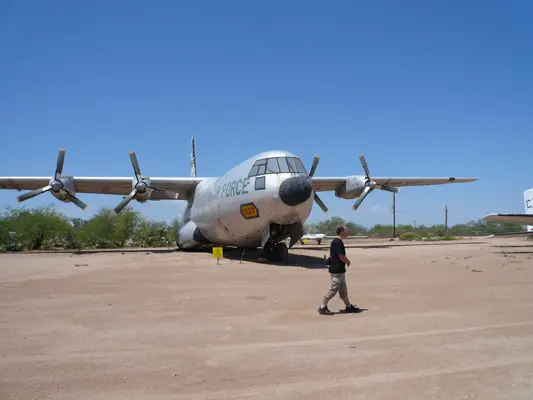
(338, 284)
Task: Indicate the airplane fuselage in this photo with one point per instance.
(237, 208)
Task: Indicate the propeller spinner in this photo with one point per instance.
(370, 185)
(56, 185)
(141, 187)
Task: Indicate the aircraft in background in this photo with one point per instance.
(260, 202)
(522, 219)
(313, 236)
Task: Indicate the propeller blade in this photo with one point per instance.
(60, 162)
(125, 201)
(365, 166)
(320, 203)
(75, 200)
(314, 165)
(135, 164)
(33, 193)
(389, 189)
(367, 190)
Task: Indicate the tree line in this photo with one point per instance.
(46, 229)
(471, 228)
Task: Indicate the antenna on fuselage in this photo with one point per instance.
(193, 159)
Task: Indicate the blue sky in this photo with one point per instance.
(441, 88)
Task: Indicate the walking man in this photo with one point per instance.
(337, 269)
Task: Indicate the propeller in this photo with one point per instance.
(56, 185)
(370, 185)
(141, 186)
(315, 196)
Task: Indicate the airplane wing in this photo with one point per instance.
(321, 184)
(522, 219)
(182, 186)
(523, 233)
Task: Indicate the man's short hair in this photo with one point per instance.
(340, 229)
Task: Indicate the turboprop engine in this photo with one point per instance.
(360, 186)
(141, 188)
(190, 236)
(61, 187)
(352, 188)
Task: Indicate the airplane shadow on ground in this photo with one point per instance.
(293, 259)
(347, 246)
(512, 247)
(383, 246)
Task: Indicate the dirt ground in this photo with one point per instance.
(452, 320)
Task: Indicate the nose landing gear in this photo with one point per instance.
(275, 251)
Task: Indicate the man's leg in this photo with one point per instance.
(343, 293)
(331, 292)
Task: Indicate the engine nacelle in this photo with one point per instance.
(68, 184)
(190, 236)
(352, 188)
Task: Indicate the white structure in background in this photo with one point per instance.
(522, 219)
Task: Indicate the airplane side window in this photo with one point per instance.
(272, 166)
(283, 166)
(260, 183)
(292, 164)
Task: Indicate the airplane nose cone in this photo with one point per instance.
(295, 190)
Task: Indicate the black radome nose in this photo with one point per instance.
(295, 190)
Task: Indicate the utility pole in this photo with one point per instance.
(394, 215)
(446, 219)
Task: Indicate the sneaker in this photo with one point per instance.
(324, 311)
(352, 309)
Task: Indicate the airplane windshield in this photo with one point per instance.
(278, 165)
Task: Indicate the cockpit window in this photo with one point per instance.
(300, 165)
(278, 165)
(292, 165)
(283, 166)
(272, 166)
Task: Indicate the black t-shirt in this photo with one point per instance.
(337, 247)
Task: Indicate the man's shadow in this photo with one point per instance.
(341, 312)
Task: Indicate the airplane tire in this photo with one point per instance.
(281, 251)
(277, 252)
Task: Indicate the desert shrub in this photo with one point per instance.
(409, 236)
(448, 238)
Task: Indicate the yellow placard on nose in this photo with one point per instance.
(217, 252)
(249, 211)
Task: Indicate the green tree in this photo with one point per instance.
(38, 228)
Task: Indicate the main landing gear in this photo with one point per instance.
(275, 251)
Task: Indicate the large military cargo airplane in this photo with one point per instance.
(522, 219)
(261, 202)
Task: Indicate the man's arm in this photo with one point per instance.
(345, 259)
